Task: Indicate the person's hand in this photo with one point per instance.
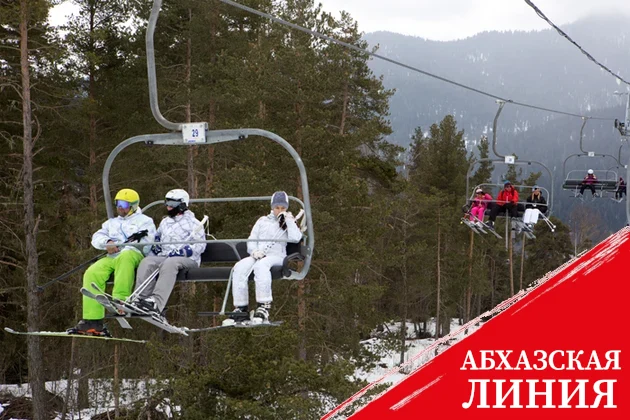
(111, 249)
(286, 214)
(156, 249)
(258, 254)
(282, 219)
(138, 235)
(185, 251)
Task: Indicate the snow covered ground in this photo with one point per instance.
(386, 371)
(419, 351)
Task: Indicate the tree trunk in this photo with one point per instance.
(83, 384)
(190, 289)
(116, 385)
(492, 282)
(210, 155)
(69, 386)
(468, 303)
(35, 364)
(302, 290)
(403, 326)
(510, 252)
(437, 312)
(344, 111)
(520, 283)
(192, 150)
(92, 128)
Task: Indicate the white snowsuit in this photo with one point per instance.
(267, 227)
(183, 227)
(119, 229)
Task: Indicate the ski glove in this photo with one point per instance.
(185, 251)
(137, 236)
(258, 254)
(282, 219)
(156, 249)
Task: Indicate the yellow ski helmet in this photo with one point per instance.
(129, 196)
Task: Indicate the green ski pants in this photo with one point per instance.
(124, 268)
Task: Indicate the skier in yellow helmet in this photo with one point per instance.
(121, 261)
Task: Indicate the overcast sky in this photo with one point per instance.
(451, 19)
(455, 19)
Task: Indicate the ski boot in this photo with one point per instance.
(149, 305)
(238, 316)
(90, 327)
(261, 314)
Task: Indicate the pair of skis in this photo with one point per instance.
(523, 227)
(65, 334)
(122, 310)
(478, 226)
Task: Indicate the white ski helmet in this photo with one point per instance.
(590, 172)
(177, 199)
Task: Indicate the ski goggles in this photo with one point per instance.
(123, 204)
(172, 203)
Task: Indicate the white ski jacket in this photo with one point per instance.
(119, 229)
(182, 228)
(268, 227)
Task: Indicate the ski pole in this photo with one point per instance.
(154, 275)
(135, 237)
(69, 273)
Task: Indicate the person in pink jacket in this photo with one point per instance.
(479, 205)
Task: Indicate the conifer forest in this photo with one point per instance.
(389, 242)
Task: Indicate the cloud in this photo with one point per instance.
(454, 19)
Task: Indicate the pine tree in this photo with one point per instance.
(438, 169)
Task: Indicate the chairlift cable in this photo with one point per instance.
(398, 63)
(564, 34)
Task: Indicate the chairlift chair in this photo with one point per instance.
(573, 179)
(227, 251)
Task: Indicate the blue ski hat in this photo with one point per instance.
(280, 198)
(507, 181)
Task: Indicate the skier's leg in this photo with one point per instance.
(494, 211)
(527, 216)
(241, 272)
(97, 273)
(534, 218)
(476, 212)
(513, 209)
(168, 275)
(262, 277)
(147, 267)
(125, 265)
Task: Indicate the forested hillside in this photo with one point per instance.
(389, 244)
(538, 68)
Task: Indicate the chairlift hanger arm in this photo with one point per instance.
(153, 94)
(584, 120)
(494, 128)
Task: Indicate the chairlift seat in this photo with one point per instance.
(231, 253)
(520, 209)
(602, 185)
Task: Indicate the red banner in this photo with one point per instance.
(555, 351)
